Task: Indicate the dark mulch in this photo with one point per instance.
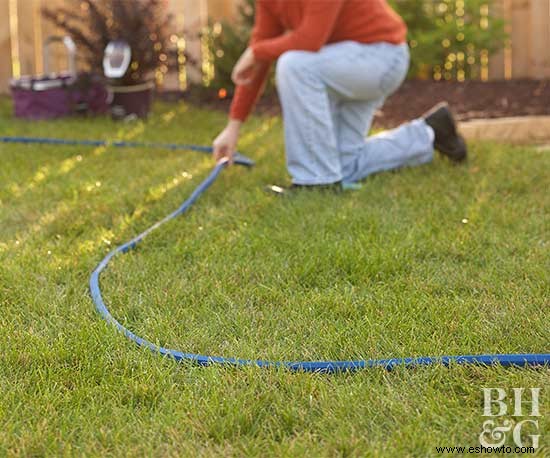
(470, 100)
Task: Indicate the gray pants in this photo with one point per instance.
(329, 99)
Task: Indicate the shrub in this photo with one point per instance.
(143, 24)
(448, 39)
(227, 41)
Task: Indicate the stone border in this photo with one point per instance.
(524, 129)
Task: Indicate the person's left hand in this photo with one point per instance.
(245, 69)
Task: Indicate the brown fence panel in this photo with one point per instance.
(196, 18)
(540, 47)
(500, 62)
(5, 46)
(521, 38)
(26, 32)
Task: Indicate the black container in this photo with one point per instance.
(131, 101)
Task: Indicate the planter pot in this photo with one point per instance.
(56, 96)
(131, 101)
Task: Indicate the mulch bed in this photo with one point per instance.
(469, 100)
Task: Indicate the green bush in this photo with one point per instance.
(449, 39)
(458, 34)
(227, 41)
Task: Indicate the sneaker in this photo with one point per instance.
(447, 140)
(294, 188)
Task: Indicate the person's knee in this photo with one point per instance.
(289, 65)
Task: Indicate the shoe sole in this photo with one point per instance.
(457, 155)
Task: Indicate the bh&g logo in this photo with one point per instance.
(495, 405)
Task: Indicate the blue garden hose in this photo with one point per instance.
(239, 159)
(518, 360)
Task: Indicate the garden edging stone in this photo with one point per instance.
(521, 129)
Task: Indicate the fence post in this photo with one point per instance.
(176, 78)
(521, 38)
(5, 46)
(196, 17)
(540, 56)
(26, 34)
(497, 60)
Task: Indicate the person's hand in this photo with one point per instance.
(225, 144)
(245, 69)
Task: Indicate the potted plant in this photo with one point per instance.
(143, 24)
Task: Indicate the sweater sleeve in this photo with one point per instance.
(313, 33)
(266, 26)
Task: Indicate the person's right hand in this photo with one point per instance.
(225, 144)
(245, 69)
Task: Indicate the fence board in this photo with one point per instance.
(497, 62)
(521, 38)
(540, 49)
(5, 46)
(195, 12)
(26, 37)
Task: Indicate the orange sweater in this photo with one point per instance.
(284, 25)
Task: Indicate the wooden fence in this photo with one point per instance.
(22, 33)
(527, 53)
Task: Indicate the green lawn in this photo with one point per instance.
(390, 270)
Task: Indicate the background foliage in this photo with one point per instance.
(448, 39)
(227, 41)
(451, 38)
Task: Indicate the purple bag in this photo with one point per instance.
(59, 95)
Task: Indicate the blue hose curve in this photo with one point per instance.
(238, 158)
(306, 366)
(518, 360)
